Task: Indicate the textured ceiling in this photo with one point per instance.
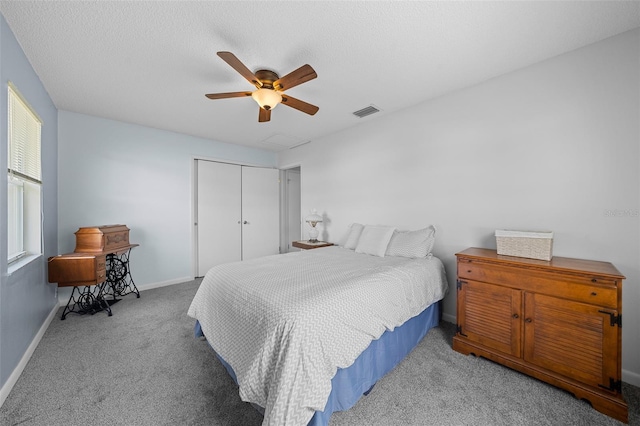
(151, 62)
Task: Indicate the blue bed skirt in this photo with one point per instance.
(382, 355)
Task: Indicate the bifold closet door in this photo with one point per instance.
(219, 210)
(260, 212)
(238, 213)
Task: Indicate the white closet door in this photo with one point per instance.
(218, 214)
(260, 212)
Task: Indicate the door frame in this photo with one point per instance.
(285, 238)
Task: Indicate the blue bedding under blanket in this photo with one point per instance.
(382, 355)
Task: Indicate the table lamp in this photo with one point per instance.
(313, 220)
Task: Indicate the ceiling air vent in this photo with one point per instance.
(366, 111)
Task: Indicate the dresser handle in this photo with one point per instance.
(516, 316)
(593, 280)
(527, 320)
(468, 271)
(593, 293)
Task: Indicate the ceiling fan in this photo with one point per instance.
(270, 87)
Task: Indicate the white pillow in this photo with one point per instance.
(374, 240)
(353, 236)
(412, 244)
(345, 236)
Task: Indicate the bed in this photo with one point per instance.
(307, 333)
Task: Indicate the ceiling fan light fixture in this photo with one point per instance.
(268, 99)
(269, 87)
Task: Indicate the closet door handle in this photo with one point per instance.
(246, 223)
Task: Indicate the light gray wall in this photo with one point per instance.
(554, 146)
(112, 172)
(26, 299)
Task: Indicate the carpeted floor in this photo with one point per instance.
(142, 366)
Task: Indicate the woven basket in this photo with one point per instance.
(533, 245)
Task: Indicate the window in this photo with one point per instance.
(24, 232)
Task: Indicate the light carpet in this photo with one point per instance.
(143, 366)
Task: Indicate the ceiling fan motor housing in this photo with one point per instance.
(267, 77)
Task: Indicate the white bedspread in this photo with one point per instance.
(285, 323)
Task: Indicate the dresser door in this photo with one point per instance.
(574, 339)
(490, 315)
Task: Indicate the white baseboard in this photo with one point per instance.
(149, 286)
(15, 375)
(449, 318)
(631, 377)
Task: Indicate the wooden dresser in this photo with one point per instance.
(558, 321)
(87, 264)
(101, 256)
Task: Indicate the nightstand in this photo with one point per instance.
(306, 245)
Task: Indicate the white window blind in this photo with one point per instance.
(24, 139)
(24, 232)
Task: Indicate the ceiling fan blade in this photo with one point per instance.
(235, 63)
(299, 76)
(299, 105)
(265, 115)
(228, 95)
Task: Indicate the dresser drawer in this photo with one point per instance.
(101, 262)
(101, 269)
(77, 269)
(101, 275)
(582, 288)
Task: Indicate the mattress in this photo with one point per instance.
(285, 324)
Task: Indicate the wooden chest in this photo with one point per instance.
(97, 239)
(77, 269)
(559, 321)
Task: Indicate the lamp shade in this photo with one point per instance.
(268, 99)
(313, 218)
